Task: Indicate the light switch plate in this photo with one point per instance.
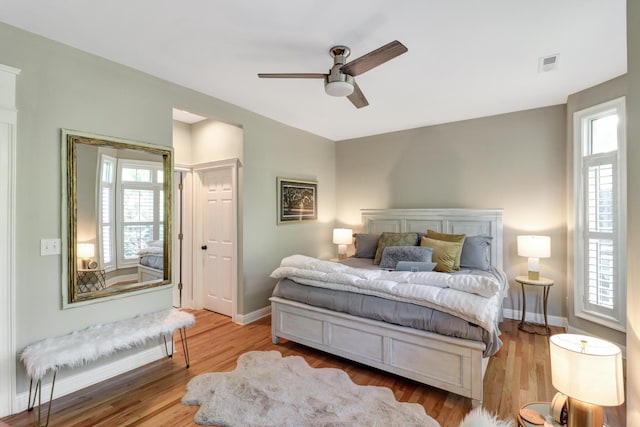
(49, 247)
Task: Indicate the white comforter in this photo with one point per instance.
(474, 298)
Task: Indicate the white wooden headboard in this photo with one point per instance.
(472, 222)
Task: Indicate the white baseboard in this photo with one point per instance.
(75, 382)
(535, 317)
(245, 319)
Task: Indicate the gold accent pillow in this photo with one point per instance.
(394, 239)
(458, 238)
(444, 253)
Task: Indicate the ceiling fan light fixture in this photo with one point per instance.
(338, 88)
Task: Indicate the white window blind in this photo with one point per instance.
(106, 212)
(139, 208)
(600, 209)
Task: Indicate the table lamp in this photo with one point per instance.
(589, 371)
(86, 251)
(534, 247)
(342, 237)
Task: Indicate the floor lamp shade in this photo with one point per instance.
(534, 248)
(342, 237)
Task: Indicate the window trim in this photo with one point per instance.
(110, 266)
(154, 185)
(617, 320)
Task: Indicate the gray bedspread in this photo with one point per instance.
(395, 312)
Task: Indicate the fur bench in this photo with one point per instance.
(95, 342)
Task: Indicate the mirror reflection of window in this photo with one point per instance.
(107, 212)
(134, 217)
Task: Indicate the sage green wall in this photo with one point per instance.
(61, 87)
(182, 143)
(606, 91)
(512, 161)
(215, 140)
(633, 214)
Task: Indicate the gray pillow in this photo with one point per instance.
(366, 245)
(389, 238)
(392, 254)
(475, 252)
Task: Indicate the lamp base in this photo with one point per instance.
(533, 275)
(582, 414)
(342, 251)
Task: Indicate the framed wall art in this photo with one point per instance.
(297, 200)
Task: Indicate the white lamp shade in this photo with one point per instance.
(86, 250)
(587, 368)
(342, 236)
(534, 246)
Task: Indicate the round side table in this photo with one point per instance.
(544, 408)
(546, 285)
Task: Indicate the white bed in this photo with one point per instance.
(448, 363)
(151, 262)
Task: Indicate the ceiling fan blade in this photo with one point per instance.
(357, 98)
(292, 75)
(374, 58)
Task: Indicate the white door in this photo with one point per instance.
(218, 239)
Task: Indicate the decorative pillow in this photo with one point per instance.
(394, 239)
(449, 238)
(392, 254)
(444, 253)
(475, 252)
(366, 245)
(414, 266)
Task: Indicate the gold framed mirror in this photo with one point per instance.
(117, 216)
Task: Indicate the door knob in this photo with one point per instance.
(203, 247)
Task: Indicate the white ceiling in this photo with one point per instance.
(466, 58)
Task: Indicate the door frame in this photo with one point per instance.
(8, 315)
(198, 211)
(186, 211)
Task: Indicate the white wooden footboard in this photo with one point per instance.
(451, 364)
(146, 273)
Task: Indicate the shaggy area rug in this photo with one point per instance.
(268, 390)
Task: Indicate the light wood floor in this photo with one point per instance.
(150, 395)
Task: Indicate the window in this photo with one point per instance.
(106, 212)
(139, 208)
(600, 209)
(131, 209)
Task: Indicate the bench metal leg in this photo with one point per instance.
(166, 348)
(185, 346)
(38, 391)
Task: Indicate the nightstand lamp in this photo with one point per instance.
(86, 251)
(589, 371)
(342, 237)
(534, 247)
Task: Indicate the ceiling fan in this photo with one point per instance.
(340, 80)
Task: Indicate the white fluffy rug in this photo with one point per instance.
(269, 390)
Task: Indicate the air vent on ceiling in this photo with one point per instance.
(548, 63)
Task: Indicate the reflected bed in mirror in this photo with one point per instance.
(117, 216)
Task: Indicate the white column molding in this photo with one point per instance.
(8, 123)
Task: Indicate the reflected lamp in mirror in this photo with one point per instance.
(85, 252)
(534, 248)
(342, 237)
(589, 371)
